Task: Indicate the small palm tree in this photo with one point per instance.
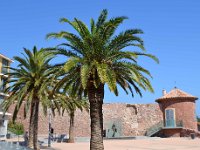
(29, 86)
(71, 104)
(97, 57)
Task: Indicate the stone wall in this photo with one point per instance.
(132, 119)
(119, 120)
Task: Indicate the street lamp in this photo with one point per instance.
(19, 128)
(49, 138)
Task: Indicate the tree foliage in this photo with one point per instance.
(32, 78)
(30, 84)
(97, 55)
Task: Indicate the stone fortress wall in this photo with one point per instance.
(119, 120)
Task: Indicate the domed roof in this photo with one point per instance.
(176, 94)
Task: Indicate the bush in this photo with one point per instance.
(16, 128)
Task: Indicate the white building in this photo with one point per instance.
(4, 62)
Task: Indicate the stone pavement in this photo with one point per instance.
(140, 144)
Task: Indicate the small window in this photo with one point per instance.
(2, 84)
(5, 63)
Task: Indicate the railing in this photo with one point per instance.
(4, 70)
(172, 123)
(168, 124)
(155, 128)
(179, 123)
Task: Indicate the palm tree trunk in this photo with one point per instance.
(35, 121)
(71, 128)
(33, 126)
(30, 139)
(96, 96)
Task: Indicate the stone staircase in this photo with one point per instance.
(154, 129)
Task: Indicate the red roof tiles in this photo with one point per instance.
(176, 93)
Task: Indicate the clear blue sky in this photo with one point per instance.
(172, 33)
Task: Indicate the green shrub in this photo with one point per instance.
(16, 128)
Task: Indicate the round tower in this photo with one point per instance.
(178, 109)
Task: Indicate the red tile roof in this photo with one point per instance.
(176, 93)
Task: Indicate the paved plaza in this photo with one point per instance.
(134, 144)
(139, 144)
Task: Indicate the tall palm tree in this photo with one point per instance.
(29, 86)
(70, 104)
(97, 56)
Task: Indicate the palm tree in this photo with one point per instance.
(97, 57)
(29, 86)
(71, 104)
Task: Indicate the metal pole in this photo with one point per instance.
(49, 138)
(18, 130)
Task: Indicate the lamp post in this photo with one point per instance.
(49, 137)
(19, 129)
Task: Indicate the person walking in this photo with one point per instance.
(26, 138)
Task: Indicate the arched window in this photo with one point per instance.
(170, 117)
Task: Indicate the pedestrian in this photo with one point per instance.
(52, 131)
(26, 138)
